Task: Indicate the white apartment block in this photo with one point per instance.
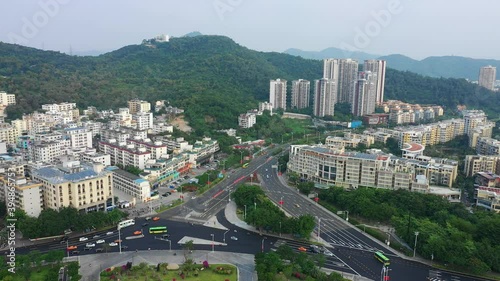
(365, 94)
(86, 187)
(142, 120)
(351, 169)
(349, 140)
(472, 119)
(277, 93)
(79, 137)
(48, 151)
(160, 127)
(121, 134)
(7, 99)
(204, 149)
(137, 105)
(266, 106)
(130, 184)
(177, 145)
(488, 198)
(247, 120)
(93, 127)
(9, 133)
(161, 170)
(125, 154)
(92, 156)
(157, 148)
(59, 107)
(377, 67)
(402, 113)
(488, 146)
(480, 163)
(27, 194)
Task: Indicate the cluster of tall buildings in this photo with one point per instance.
(59, 158)
(342, 82)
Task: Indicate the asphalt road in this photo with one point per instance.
(352, 251)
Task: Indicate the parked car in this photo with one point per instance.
(148, 218)
(113, 244)
(96, 236)
(109, 233)
(156, 218)
(90, 245)
(99, 250)
(118, 241)
(234, 238)
(124, 247)
(100, 241)
(75, 252)
(87, 248)
(72, 248)
(83, 239)
(302, 249)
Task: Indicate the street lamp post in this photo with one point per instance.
(347, 215)
(255, 204)
(280, 228)
(415, 248)
(388, 238)
(224, 239)
(169, 245)
(245, 214)
(262, 244)
(319, 228)
(213, 243)
(120, 240)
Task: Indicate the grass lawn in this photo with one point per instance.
(171, 205)
(144, 272)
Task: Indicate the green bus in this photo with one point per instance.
(158, 230)
(381, 258)
(245, 165)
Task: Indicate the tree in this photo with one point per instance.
(188, 248)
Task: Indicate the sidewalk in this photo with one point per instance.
(92, 265)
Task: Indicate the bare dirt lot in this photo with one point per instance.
(181, 124)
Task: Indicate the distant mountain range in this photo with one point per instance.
(438, 66)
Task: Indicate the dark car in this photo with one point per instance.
(124, 247)
(75, 252)
(145, 224)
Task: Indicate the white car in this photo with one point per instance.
(109, 233)
(100, 241)
(90, 245)
(96, 236)
(234, 238)
(328, 253)
(194, 197)
(113, 244)
(83, 239)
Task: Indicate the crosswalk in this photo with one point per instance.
(436, 275)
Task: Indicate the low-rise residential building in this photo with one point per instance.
(352, 169)
(474, 164)
(9, 133)
(488, 198)
(48, 151)
(349, 140)
(121, 134)
(84, 186)
(93, 156)
(125, 154)
(157, 148)
(7, 99)
(247, 120)
(130, 184)
(26, 194)
(164, 170)
(487, 146)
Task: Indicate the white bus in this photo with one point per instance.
(125, 223)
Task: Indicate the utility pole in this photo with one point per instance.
(319, 228)
(415, 248)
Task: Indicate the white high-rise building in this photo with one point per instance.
(377, 67)
(300, 93)
(364, 94)
(277, 93)
(325, 94)
(7, 99)
(487, 77)
(344, 72)
(143, 120)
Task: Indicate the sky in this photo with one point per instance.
(415, 28)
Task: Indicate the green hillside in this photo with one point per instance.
(212, 77)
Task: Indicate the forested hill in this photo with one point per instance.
(212, 77)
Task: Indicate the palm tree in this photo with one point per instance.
(188, 248)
